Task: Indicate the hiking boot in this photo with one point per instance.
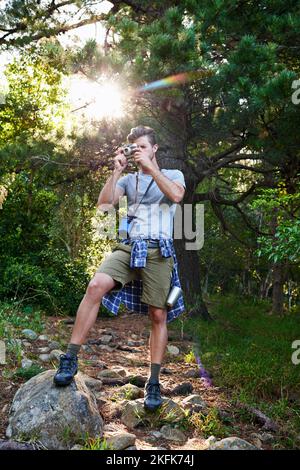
(66, 370)
(152, 396)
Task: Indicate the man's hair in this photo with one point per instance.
(140, 131)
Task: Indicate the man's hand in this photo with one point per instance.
(120, 161)
(144, 161)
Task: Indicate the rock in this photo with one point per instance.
(29, 334)
(192, 374)
(173, 350)
(57, 417)
(129, 391)
(44, 357)
(55, 354)
(54, 345)
(166, 371)
(134, 413)
(92, 384)
(195, 404)
(44, 350)
(104, 347)
(119, 370)
(120, 440)
(266, 438)
(172, 434)
(232, 443)
(13, 445)
(131, 447)
(257, 442)
(211, 440)
(76, 447)
(137, 380)
(26, 363)
(105, 339)
(156, 434)
(87, 348)
(182, 389)
(43, 338)
(109, 373)
(135, 343)
(134, 337)
(26, 344)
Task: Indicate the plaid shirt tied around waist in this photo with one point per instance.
(130, 294)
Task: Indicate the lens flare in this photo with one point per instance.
(174, 80)
(204, 375)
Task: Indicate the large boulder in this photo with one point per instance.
(57, 417)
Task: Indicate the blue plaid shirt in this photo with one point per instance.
(130, 294)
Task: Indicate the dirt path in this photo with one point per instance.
(128, 349)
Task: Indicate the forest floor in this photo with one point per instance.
(129, 350)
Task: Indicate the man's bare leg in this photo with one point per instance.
(85, 318)
(158, 342)
(88, 309)
(159, 334)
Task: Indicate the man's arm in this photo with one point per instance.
(173, 191)
(110, 194)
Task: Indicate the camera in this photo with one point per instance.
(129, 149)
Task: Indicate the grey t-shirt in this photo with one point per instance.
(155, 215)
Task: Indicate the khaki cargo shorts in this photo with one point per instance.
(156, 275)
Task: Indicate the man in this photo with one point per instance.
(145, 258)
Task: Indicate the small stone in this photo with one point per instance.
(26, 363)
(93, 384)
(76, 447)
(43, 338)
(87, 348)
(172, 434)
(104, 347)
(44, 357)
(26, 344)
(173, 350)
(183, 389)
(156, 434)
(105, 339)
(54, 345)
(119, 370)
(29, 334)
(44, 350)
(120, 440)
(166, 371)
(257, 443)
(134, 337)
(232, 443)
(266, 438)
(109, 374)
(192, 374)
(55, 354)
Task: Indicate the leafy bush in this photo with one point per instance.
(56, 283)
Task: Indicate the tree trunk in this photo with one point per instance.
(277, 292)
(189, 272)
(277, 275)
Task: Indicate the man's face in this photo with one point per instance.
(144, 147)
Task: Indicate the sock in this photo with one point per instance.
(155, 369)
(73, 349)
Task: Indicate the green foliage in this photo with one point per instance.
(15, 316)
(96, 443)
(209, 424)
(239, 352)
(29, 372)
(284, 243)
